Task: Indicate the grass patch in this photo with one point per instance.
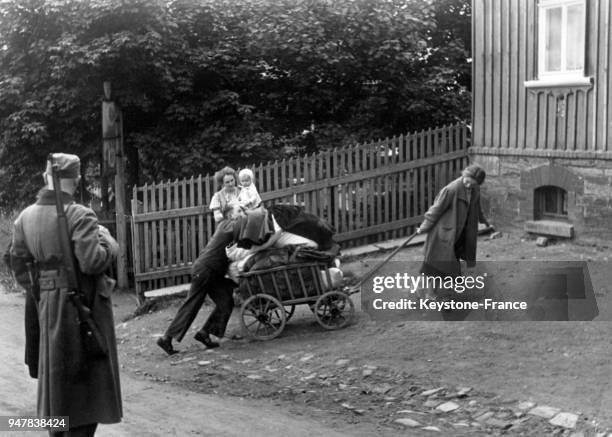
(7, 282)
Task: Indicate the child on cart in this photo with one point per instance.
(248, 198)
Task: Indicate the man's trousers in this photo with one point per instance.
(220, 290)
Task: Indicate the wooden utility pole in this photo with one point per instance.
(113, 163)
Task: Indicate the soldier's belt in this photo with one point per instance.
(50, 280)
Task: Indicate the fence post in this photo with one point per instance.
(114, 162)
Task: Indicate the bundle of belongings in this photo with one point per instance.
(297, 237)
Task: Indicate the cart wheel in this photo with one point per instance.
(262, 317)
(289, 310)
(334, 310)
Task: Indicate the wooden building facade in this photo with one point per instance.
(542, 112)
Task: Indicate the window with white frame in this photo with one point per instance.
(562, 26)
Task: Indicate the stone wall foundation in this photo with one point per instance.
(508, 192)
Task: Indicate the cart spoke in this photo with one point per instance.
(248, 321)
(260, 305)
(267, 307)
(275, 313)
(252, 323)
(265, 327)
(289, 310)
(272, 326)
(251, 310)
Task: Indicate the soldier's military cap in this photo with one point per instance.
(68, 166)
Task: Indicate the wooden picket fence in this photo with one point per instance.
(368, 192)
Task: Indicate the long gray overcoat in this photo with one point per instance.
(69, 382)
(452, 226)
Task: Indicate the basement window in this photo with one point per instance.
(550, 203)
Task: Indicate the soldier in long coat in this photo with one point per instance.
(451, 224)
(70, 383)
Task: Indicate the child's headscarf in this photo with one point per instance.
(246, 172)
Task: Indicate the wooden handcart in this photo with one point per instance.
(271, 295)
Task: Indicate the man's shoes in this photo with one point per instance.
(166, 344)
(203, 338)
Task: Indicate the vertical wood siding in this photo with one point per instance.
(505, 113)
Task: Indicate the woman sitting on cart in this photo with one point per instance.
(208, 273)
(224, 203)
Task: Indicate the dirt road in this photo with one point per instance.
(150, 409)
(384, 378)
(373, 373)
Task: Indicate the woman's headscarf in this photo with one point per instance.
(475, 172)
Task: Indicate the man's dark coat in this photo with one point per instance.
(452, 226)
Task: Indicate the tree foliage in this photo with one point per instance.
(205, 83)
